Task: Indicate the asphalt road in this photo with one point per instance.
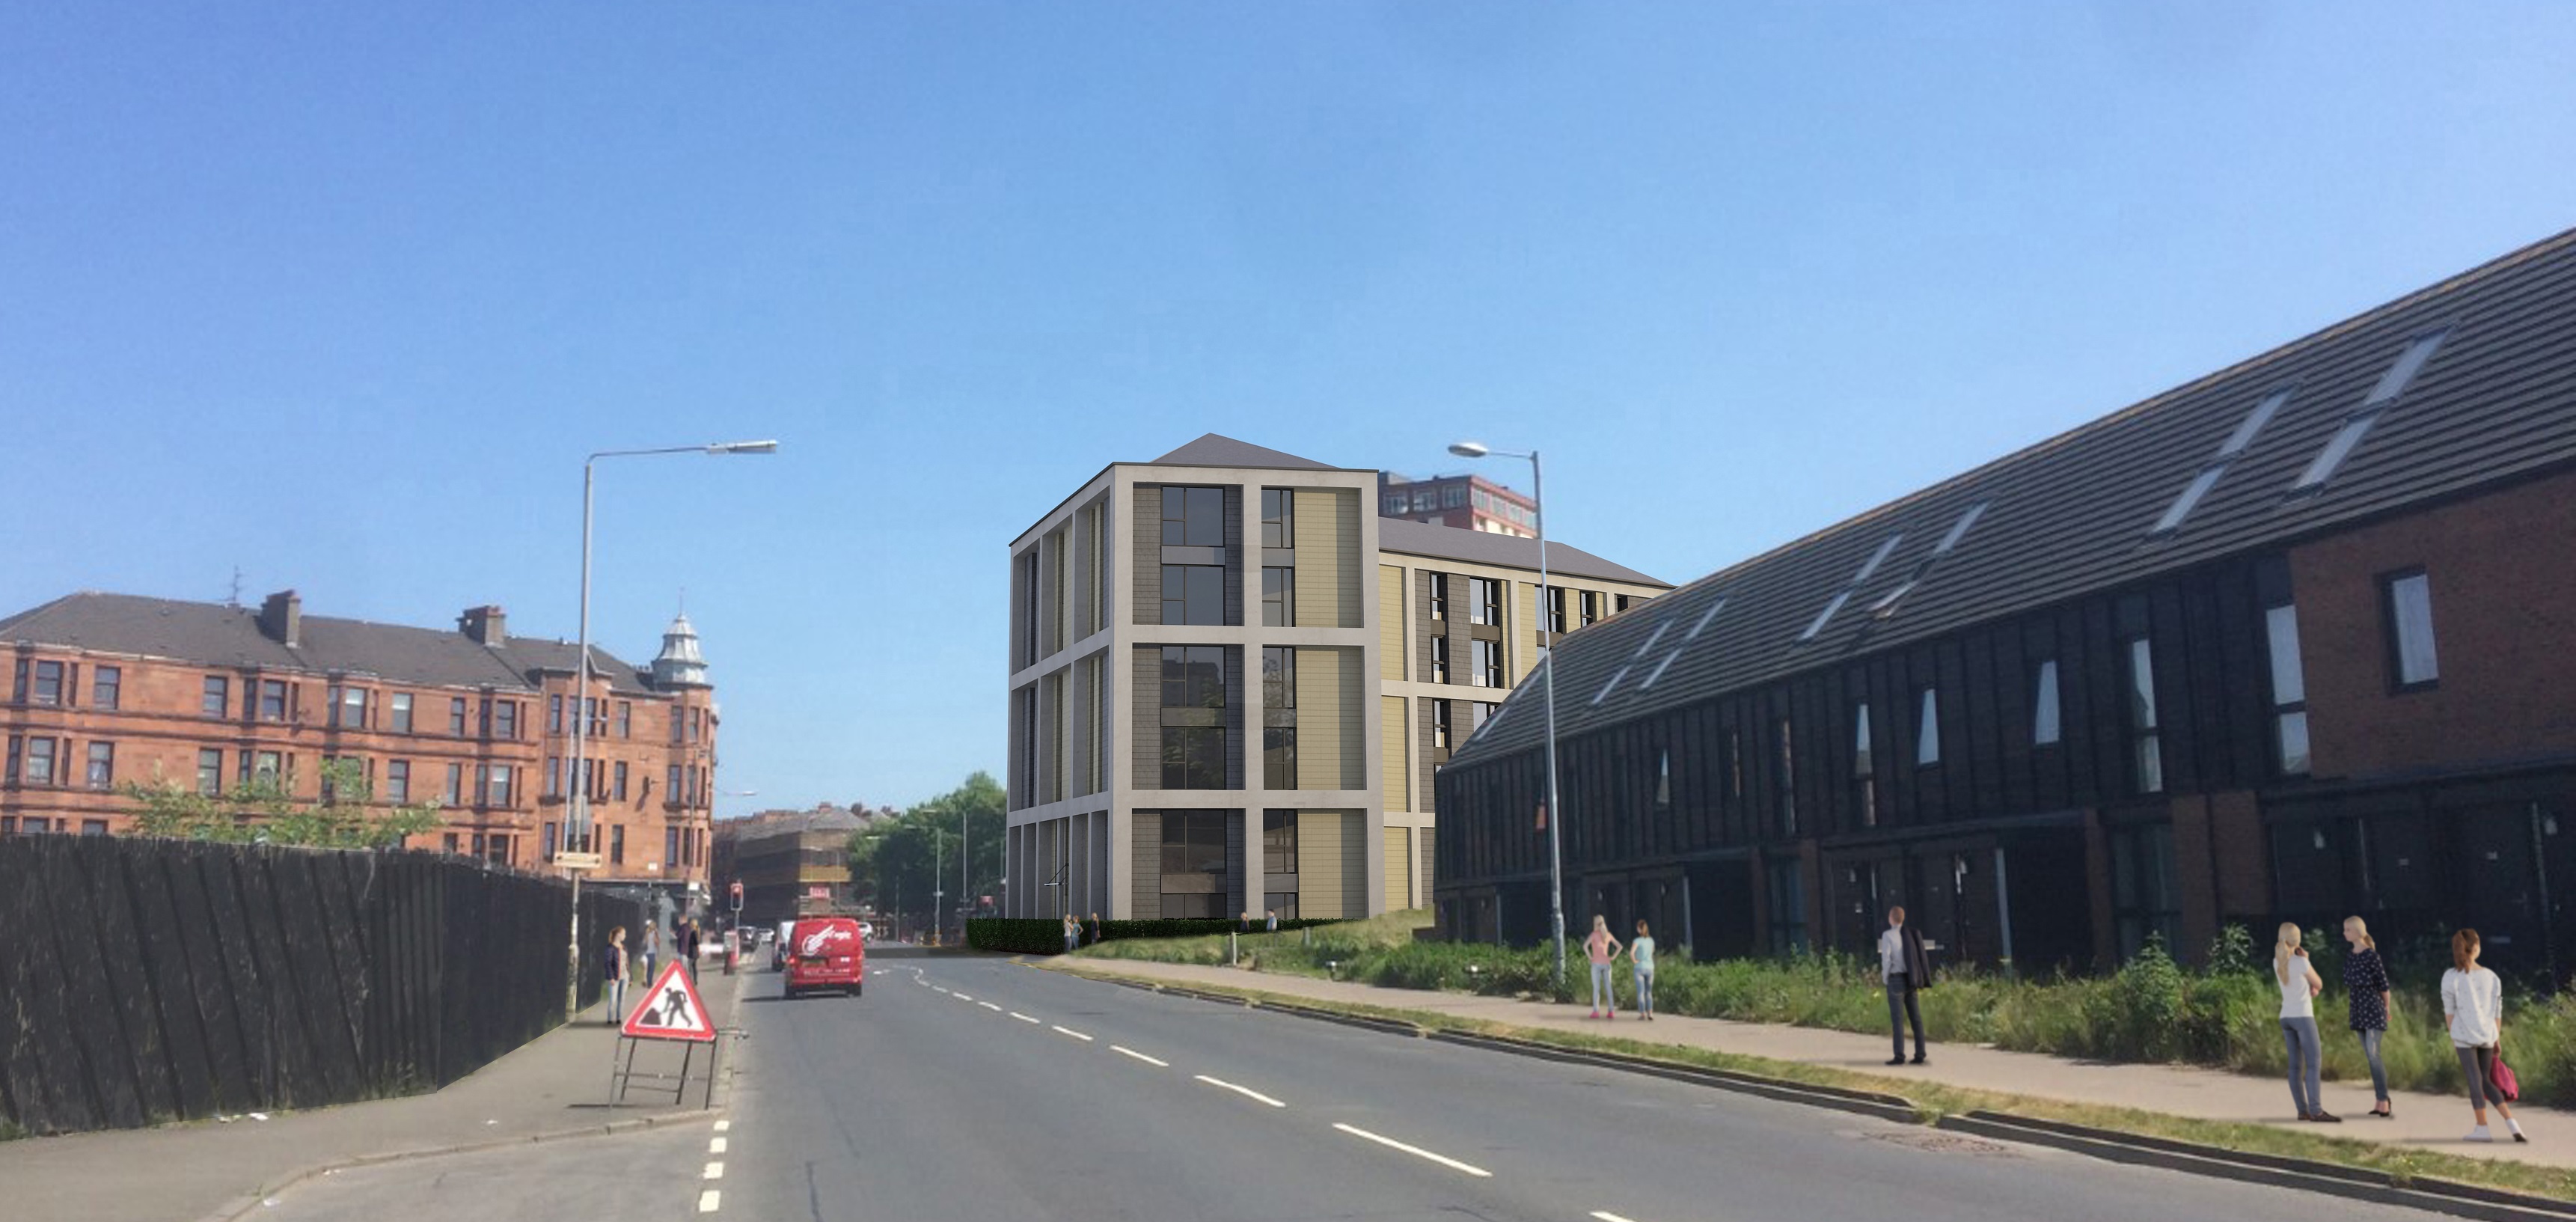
(976, 1088)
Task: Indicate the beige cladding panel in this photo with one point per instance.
(1392, 756)
(1390, 622)
(1525, 653)
(1332, 750)
(1328, 558)
(1399, 878)
(1332, 863)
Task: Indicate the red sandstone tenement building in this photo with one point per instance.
(109, 688)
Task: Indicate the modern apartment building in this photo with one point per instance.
(785, 859)
(110, 688)
(2291, 641)
(1471, 502)
(1203, 648)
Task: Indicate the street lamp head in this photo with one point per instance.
(1469, 449)
(743, 447)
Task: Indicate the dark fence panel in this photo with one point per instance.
(144, 981)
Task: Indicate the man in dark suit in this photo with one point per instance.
(1906, 970)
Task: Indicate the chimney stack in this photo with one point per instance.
(281, 618)
(483, 624)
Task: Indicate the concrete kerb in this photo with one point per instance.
(244, 1205)
(2437, 1196)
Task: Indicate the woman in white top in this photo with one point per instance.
(2299, 987)
(2473, 1009)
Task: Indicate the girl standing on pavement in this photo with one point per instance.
(2365, 985)
(2299, 989)
(1641, 956)
(1601, 948)
(2473, 1009)
(612, 973)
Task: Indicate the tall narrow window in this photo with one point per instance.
(217, 697)
(1438, 589)
(272, 700)
(1278, 717)
(2044, 728)
(2146, 747)
(1788, 780)
(456, 716)
(401, 709)
(1440, 659)
(1485, 662)
(102, 765)
(1862, 766)
(554, 713)
(1556, 608)
(2289, 689)
(398, 781)
(1927, 728)
(1278, 596)
(1278, 842)
(1484, 600)
(1664, 777)
(1278, 517)
(1591, 607)
(1194, 726)
(2412, 660)
(1440, 724)
(106, 686)
(210, 770)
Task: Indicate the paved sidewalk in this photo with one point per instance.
(556, 1084)
(2432, 1122)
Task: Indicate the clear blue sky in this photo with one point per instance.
(341, 295)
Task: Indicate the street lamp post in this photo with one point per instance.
(577, 822)
(938, 889)
(1555, 809)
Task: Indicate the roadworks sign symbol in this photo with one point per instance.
(670, 1010)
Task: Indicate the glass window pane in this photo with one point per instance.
(2294, 741)
(1927, 732)
(1206, 517)
(2044, 728)
(2142, 685)
(2289, 679)
(2410, 609)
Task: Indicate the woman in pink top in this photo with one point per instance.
(1602, 948)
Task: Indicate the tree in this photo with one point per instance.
(891, 860)
(264, 810)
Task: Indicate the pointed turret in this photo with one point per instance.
(680, 664)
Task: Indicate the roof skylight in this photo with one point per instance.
(1840, 598)
(1658, 671)
(1611, 686)
(1877, 558)
(2392, 386)
(1705, 617)
(2246, 429)
(1959, 529)
(1652, 637)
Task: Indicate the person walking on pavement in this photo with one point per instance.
(652, 948)
(1601, 948)
(1905, 970)
(689, 947)
(1270, 921)
(1072, 933)
(2365, 985)
(2473, 1009)
(2306, 1057)
(612, 975)
(1641, 958)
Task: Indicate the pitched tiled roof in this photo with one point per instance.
(1485, 547)
(2074, 514)
(214, 634)
(1215, 450)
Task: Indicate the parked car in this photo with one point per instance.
(826, 953)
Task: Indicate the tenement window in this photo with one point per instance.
(402, 712)
(217, 699)
(105, 686)
(102, 765)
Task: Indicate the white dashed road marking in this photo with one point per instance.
(1607, 1216)
(1022, 1017)
(961, 997)
(707, 1201)
(715, 1145)
(715, 1171)
(1075, 1034)
(1126, 1051)
(1418, 1152)
(723, 1125)
(990, 1006)
(1245, 1091)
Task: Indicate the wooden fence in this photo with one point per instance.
(144, 981)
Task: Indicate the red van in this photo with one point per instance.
(826, 953)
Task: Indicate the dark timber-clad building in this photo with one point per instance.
(2293, 641)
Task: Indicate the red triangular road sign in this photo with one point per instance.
(670, 1010)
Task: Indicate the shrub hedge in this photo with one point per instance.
(1045, 935)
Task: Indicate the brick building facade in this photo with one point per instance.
(106, 689)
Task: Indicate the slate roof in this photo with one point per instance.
(2073, 514)
(1217, 450)
(214, 634)
(1485, 547)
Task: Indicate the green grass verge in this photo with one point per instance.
(1933, 1101)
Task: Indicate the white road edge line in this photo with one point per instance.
(990, 1006)
(961, 997)
(1607, 1216)
(715, 1171)
(707, 1201)
(1022, 1017)
(1418, 1152)
(1245, 1091)
(1075, 1034)
(715, 1145)
(941, 987)
(1126, 1051)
